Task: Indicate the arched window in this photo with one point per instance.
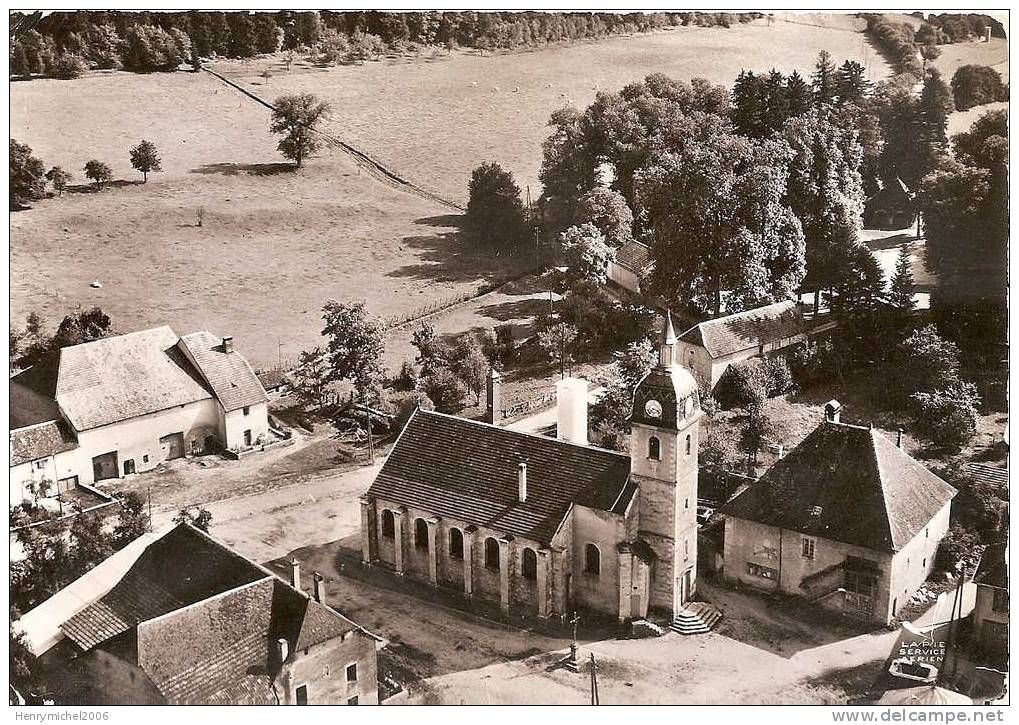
(529, 564)
(456, 544)
(688, 445)
(421, 534)
(388, 524)
(491, 554)
(654, 449)
(592, 559)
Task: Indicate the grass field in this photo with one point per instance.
(276, 244)
(433, 120)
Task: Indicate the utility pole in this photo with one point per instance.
(279, 352)
(594, 681)
(148, 491)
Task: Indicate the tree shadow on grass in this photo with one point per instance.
(90, 188)
(232, 169)
(514, 310)
(443, 257)
(889, 242)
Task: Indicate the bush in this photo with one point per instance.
(407, 378)
(445, 390)
(68, 66)
(778, 374)
(743, 384)
(947, 417)
(975, 85)
(958, 546)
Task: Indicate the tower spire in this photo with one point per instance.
(667, 351)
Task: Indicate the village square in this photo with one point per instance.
(497, 358)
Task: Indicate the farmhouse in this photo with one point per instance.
(847, 520)
(630, 265)
(708, 348)
(123, 404)
(542, 527)
(990, 615)
(177, 618)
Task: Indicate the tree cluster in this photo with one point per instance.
(30, 344)
(52, 560)
(975, 85)
(448, 373)
(64, 44)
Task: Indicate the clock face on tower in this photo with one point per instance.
(653, 409)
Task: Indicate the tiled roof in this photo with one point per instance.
(134, 599)
(634, 256)
(846, 483)
(993, 571)
(270, 379)
(983, 473)
(122, 377)
(40, 441)
(227, 373)
(234, 675)
(468, 470)
(32, 393)
(205, 621)
(744, 330)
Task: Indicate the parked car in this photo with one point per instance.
(915, 670)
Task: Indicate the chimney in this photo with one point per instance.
(494, 399)
(571, 410)
(320, 588)
(228, 343)
(522, 481)
(282, 650)
(987, 33)
(295, 574)
(833, 411)
(898, 439)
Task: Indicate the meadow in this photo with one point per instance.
(435, 118)
(274, 244)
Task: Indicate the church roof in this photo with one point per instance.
(468, 470)
(846, 483)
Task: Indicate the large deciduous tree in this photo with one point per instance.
(297, 118)
(98, 172)
(355, 343)
(495, 214)
(716, 220)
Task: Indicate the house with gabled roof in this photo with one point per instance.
(630, 265)
(123, 404)
(847, 520)
(990, 613)
(710, 347)
(543, 527)
(178, 618)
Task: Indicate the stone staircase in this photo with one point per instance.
(696, 618)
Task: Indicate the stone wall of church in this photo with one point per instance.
(597, 590)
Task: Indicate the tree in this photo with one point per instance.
(89, 543)
(197, 516)
(297, 117)
(824, 80)
(557, 340)
(433, 351)
(902, 287)
(84, 326)
(495, 215)
(149, 48)
(927, 361)
(444, 389)
(610, 414)
(798, 95)
(67, 66)
(470, 365)
(716, 220)
(27, 182)
(851, 84)
(355, 343)
(309, 380)
(145, 158)
(608, 211)
(59, 178)
(947, 416)
(98, 172)
(975, 85)
(586, 252)
(132, 520)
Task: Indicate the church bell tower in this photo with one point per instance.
(663, 461)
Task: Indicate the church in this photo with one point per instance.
(544, 527)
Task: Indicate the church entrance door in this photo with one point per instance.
(685, 586)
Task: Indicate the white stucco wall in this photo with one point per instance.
(235, 422)
(625, 278)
